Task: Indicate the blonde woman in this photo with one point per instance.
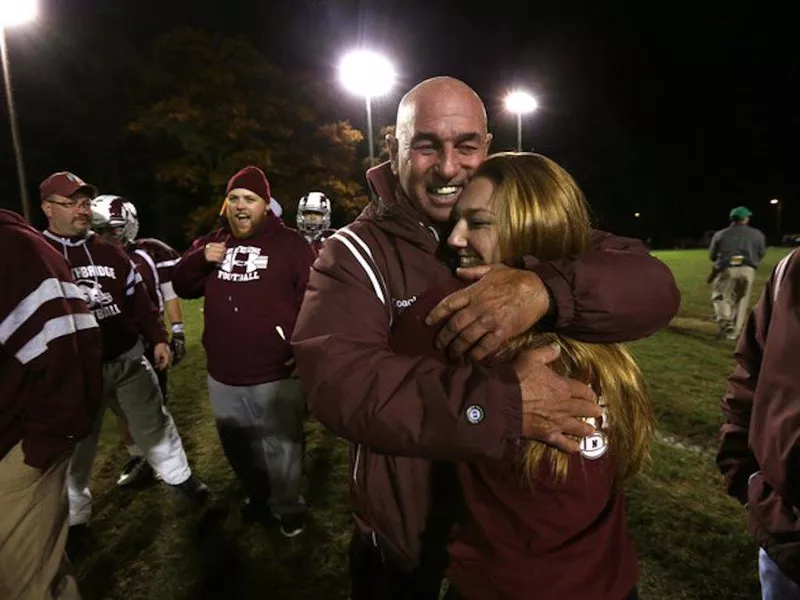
(542, 524)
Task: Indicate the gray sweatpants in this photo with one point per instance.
(261, 430)
(130, 389)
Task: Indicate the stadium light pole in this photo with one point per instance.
(367, 74)
(777, 204)
(520, 103)
(15, 12)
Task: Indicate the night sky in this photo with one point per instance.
(678, 111)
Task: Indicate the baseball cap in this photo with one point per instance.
(739, 213)
(65, 184)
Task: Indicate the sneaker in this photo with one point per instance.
(292, 525)
(137, 470)
(193, 490)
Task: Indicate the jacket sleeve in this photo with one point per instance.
(304, 256)
(145, 313)
(774, 432)
(46, 328)
(361, 390)
(713, 249)
(616, 292)
(189, 274)
(165, 260)
(735, 460)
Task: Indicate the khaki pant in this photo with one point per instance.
(33, 531)
(730, 295)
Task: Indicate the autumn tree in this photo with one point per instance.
(212, 104)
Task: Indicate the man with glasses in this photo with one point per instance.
(116, 295)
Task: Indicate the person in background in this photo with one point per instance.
(314, 219)
(736, 252)
(116, 219)
(118, 299)
(253, 273)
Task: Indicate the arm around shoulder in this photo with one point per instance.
(615, 292)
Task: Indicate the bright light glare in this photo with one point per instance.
(521, 102)
(367, 73)
(637, 215)
(773, 201)
(17, 12)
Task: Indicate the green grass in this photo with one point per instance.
(691, 537)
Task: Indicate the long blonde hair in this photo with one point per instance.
(542, 212)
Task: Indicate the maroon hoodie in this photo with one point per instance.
(251, 300)
(114, 290)
(50, 349)
(521, 541)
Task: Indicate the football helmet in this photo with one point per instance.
(314, 202)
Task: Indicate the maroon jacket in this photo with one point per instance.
(114, 290)
(759, 451)
(50, 349)
(516, 541)
(399, 411)
(256, 290)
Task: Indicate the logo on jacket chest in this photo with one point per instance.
(100, 302)
(242, 263)
(403, 303)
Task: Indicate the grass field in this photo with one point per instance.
(691, 538)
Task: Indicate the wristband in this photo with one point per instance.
(177, 327)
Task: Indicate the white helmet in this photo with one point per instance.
(109, 211)
(131, 223)
(315, 202)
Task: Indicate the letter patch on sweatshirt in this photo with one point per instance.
(242, 263)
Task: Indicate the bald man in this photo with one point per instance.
(406, 414)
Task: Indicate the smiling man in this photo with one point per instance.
(253, 273)
(402, 413)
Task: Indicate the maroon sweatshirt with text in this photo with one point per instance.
(251, 300)
(114, 291)
(50, 349)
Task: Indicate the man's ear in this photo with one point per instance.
(393, 146)
(46, 208)
(489, 138)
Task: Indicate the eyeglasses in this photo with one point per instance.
(72, 204)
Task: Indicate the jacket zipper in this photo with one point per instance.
(355, 467)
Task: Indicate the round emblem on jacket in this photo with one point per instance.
(474, 414)
(594, 446)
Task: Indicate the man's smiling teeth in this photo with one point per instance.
(445, 191)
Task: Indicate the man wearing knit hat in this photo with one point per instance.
(253, 273)
(736, 251)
